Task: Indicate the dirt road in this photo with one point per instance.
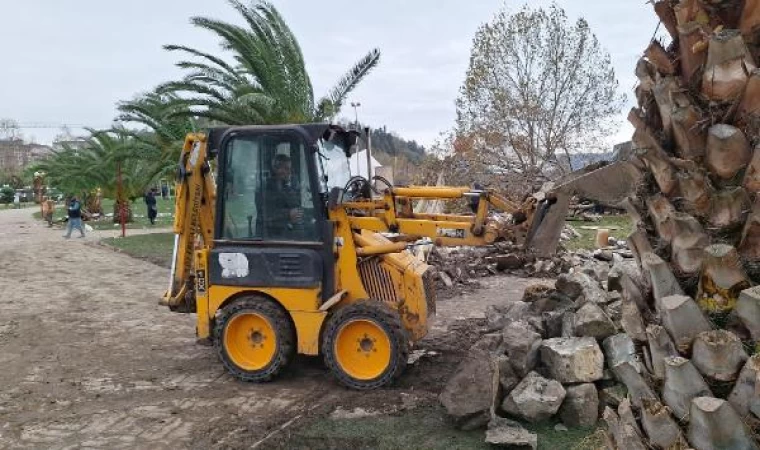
(89, 359)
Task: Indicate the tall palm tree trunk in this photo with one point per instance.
(117, 211)
(697, 215)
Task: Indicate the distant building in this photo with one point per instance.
(75, 143)
(15, 155)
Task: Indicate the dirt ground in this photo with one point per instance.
(90, 360)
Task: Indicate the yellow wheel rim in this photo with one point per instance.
(363, 349)
(250, 341)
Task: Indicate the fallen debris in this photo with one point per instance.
(573, 360)
(510, 434)
(534, 399)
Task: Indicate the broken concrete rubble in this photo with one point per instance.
(572, 360)
(521, 345)
(534, 399)
(619, 349)
(591, 320)
(581, 406)
(568, 325)
(505, 433)
(470, 395)
(612, 395)
(581, 288)
(508, 379)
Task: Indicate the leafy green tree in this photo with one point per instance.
(6, 195)
(266, 82)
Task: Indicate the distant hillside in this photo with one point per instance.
(391, 144)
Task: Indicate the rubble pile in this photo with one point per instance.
(590, 347)
(553, 355)
(463, 265)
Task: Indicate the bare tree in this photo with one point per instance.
(537, 86)
(455, 157)
(9, 129)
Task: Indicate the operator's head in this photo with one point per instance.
(282, 166)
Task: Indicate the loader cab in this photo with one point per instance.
(271, 205)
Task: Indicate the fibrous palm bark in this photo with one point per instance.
(697, 213)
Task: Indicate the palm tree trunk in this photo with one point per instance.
(698, 213)
(127, 211)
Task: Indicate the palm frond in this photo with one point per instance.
(337, 95)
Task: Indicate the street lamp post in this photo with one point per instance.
(356, 114)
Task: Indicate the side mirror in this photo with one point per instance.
(352, 143)
(347, 140)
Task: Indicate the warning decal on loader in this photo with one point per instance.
(456, 233)
(234, 265)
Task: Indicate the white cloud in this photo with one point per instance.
(70, 62)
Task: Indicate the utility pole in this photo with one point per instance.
(120, 201)
(369, 153)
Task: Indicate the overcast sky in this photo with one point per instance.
(71, 61)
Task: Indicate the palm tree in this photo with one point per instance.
(83, 170)
(267, 82)
(167, 123)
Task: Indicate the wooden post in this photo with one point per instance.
(120, 200)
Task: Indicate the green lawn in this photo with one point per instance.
(421, 428)
(620, 227)
(156, 247)
(139, 211)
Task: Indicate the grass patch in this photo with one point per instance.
(587, 240)
(422, 428)
(155, 247)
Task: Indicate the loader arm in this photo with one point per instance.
(193, 220)
(393, 213)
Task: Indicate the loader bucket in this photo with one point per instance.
(548, 222)
(609, 185)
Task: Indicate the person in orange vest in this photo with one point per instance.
(48, 210)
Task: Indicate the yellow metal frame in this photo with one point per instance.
(194, 215)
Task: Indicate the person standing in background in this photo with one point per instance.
(74, 212)
(48, 209)
(150, 201)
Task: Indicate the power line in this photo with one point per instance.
(55, 125)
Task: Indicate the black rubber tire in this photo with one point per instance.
(278, 318)
(384, 316)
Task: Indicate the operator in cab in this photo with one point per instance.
(283, 215)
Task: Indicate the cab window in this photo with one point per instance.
(267, 194)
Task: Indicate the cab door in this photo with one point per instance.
(270, 226)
